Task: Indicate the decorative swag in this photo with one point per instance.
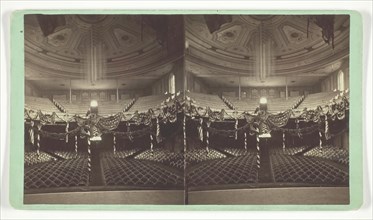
(262, 122)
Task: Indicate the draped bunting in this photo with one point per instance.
(279, 120)
(59, 136)
(263, 122)
(166, 113)
(312, 115)
(303, 131)
(111, 122)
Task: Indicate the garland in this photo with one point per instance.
(262, 122)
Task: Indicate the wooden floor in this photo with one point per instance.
(171, 197)
(260, 196)
(293, 195)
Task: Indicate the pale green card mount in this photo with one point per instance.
(17, 121)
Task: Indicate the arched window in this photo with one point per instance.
(171, 83)
(341, 83)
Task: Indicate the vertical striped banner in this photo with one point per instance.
(158, 133)
(283, 141)
(38, 140)
(258, 151)
(200, 130)
(89, 165)
(245, 135)
(76, 144)
(235, 128)
(184, 133)
(114, 143)
(32, 138)
(208, 123)
(320, 144)
(151, 143)
(67, 132)
(326, 128)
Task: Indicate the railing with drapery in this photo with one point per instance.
(253, 123)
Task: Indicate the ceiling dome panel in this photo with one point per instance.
(127, 42)
(296, 45)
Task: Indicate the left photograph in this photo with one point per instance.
(103, 116)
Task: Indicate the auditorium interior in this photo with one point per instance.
(186, 109)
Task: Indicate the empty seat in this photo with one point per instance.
(317, 99)
(163, 156)
(299, 169)
(274, 104)
(145, 103)
(229, 170)
(207, 100)
(61, 173)
(330, 153)
(104, 107)
(132, 172)
(39, 103)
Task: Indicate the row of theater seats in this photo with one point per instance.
(327, 152)
(330, 153)
(300, 169)
(317, 99)
(105, 107)
(163, 168)
(207, 100)
(55, 169)
(38, 103)
(274, 104)
(145, 103)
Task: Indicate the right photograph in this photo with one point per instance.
(266, 106)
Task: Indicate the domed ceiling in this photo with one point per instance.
(296, 53)
(132, 52)
(134, 56)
